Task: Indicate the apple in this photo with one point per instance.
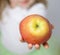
(35, 29)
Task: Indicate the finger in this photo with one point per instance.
(52, 26)
(22, 40)
(46, 45)
(30, 46)
(37, 46)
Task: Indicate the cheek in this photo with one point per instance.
(13, 1)
(31, 1)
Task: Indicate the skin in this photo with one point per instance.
(26, 4)
(21, 3)
(37, 46)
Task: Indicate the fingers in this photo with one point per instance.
(30, 46)
(22, 40)
(52, 26)
(46, 45)
(37, 46)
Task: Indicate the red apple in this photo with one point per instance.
(35, 29)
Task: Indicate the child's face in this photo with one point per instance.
(22, 3)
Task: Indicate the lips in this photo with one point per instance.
(24, 2)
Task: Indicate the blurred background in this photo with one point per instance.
(54, 42)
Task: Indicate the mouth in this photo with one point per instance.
(24, 2)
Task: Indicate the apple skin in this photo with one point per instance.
(35, 34)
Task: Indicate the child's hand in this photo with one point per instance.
(37, 46)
